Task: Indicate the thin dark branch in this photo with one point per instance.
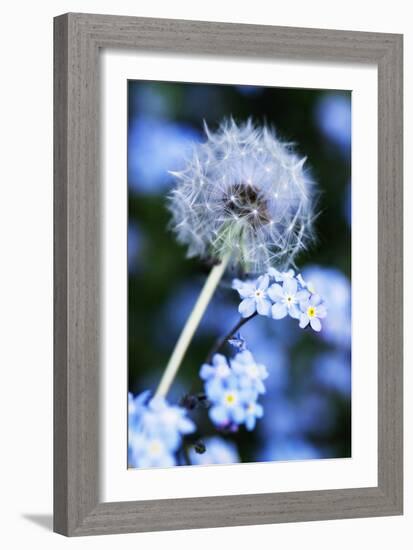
(220, 343)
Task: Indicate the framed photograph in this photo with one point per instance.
(228, 274)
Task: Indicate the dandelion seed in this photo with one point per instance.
(258, 191)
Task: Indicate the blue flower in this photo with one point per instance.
(149, 452)
(218, 451)
(155, 431)
(335, 289)
(250, 374)
(229, 403)
(218, 370)
(312, 310)
(233, 390)
(286, 299)
(137, 404)
(254, 296)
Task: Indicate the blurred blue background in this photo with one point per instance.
(308, 401)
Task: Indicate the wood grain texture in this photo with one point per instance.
(78, 39)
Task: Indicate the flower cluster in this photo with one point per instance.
(233, 389)
(278, 294)
(244, 194)
(155, 431)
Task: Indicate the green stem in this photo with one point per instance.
(190, 327)
(220, 343)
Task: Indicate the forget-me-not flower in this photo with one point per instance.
(155, 430)
(232, 396)
(219, 370)
(170, 422)
(335, 288)
(283, 297)
(149, 452)
(215, 374)
(286, 299)
(250, 374)
(312, 310)
(228, 403)
(254, 296)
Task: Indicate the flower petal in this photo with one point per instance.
(302, 295)
(219, 415)
(290, 286)
(238, 414)
(263, 306)
(315, 324)
(275, 292)
(186, 426)
(321, 311)
(304, 320)
(206, 371)
(214, 389)
(244, 288)
(294, 312)
(315, 300)
(250, 422)
(279, 311)
(219, 359)
(304, 304)
(263, 372)
(247, 307)
(260, 386)
(263, 282)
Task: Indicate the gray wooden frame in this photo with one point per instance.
(78, 39)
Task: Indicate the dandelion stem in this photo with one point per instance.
(190, 327)
(220, 343)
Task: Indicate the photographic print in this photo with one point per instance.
(239, 274)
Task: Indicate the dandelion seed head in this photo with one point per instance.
(255, 203)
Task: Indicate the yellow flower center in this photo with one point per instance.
(259, 293)
(253, 371)
(230, 398)
(311, 312)
(155, 448)
(289, 300)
